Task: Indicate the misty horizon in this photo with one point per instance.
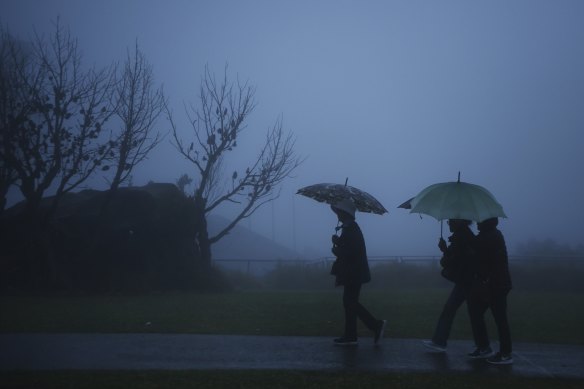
(393, 96)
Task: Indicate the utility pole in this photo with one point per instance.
(294, 222)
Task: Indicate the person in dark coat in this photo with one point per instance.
(490, 290)
(351, 270)
(457, 263)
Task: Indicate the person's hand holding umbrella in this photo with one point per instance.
(442, 245)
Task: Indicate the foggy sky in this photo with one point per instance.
(394, 95)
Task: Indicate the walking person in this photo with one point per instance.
(457, 266)
(351, 270)
(490, 290)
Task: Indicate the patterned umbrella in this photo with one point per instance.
(332, 193)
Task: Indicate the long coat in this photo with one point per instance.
(459, 260)
(493, 263)
(351, 266)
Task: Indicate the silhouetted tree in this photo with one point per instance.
(138, 104)
(14, 107)
(53, 133)
(217, 124)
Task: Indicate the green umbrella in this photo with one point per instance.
(457, 200)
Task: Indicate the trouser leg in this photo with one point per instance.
(354, 310)
(367, 318)
(442, 330)
(476, 311)
(350, 303)
(499, 311)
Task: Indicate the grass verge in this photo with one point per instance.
(547, 317)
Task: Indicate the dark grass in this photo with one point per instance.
(547, 317)
(271, 379)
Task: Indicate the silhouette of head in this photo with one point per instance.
(344, 209)
(457, 224)
(489, 224)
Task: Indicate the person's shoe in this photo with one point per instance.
(434, 346)
(481, 353)
(379, 332)
(501, 359)
(345, 342)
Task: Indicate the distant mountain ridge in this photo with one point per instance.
(243, 243)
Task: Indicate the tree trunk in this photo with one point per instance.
(202, 235)
(204, 243)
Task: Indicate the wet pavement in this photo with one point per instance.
(187, 352)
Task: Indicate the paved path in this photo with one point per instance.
(185, 351)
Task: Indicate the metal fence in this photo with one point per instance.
(259, 267)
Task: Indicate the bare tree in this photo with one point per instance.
(57, 138)
(14, 107)
(216, 126)
(138, 104)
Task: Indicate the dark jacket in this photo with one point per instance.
(459, 260)
(351, 264)
(493, 263)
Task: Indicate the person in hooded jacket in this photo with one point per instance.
(351, 270)
(458, 261)
(490, 290)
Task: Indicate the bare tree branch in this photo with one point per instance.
(14, 108)
(55, 140)
(216, 126)
(138, 105)
(275, 162)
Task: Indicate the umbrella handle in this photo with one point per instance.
(338, 227)
(441, 223)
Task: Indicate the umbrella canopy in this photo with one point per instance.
(333, 193)
(456, 200)
(406, 204)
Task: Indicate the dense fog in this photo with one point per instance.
(392, 95)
